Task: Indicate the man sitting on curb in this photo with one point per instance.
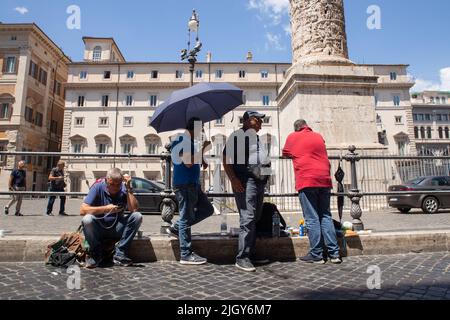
(104, 218)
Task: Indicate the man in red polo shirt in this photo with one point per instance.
(313, 182)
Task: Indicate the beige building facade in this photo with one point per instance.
(109, 105)
(431, 122)
(33, 71)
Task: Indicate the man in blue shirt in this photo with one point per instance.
(194, 205)
(17, 182)
(104, 218)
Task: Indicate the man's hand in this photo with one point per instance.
(237, 186)
(111, 208)
(127, 181)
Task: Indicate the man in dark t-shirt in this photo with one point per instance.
(104, 218)
(17, 182)
(57, 184)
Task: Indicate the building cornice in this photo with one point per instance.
(34, 28)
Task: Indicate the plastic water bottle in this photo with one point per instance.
(223, 225)
(302, 231)
(275, 226)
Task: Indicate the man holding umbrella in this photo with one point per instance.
(313, 181)
(187, 155)
(188, 109)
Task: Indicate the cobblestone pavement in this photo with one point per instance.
(35, 223)
(408, 276)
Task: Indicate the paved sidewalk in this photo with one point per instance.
(35, 223)
(406, 276)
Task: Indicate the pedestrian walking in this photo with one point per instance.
(17, 182)
(57, 184)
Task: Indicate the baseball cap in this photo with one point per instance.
(256, 114)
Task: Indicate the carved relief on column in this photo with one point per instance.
(318, 32)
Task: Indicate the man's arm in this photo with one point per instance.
(96, 211)
(287, 153)
(52, 178)
(132, 202)
(10, 182)
(235, 182)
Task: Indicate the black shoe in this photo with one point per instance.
(18, 214)
(245, 264)
(193, 259)
(6, 210)
(49, 214)
(122, 261)
(63, 214)
(310, 259)
(172, 232)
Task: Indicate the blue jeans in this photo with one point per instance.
(250, 204)
(194, 207)
(124, 232)
(51, 201)
(319, 222)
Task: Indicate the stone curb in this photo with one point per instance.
(223, 250)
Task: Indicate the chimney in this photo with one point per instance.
(208, 57)
(249, 56)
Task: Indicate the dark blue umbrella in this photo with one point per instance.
(206, 101)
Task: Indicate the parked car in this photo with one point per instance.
(147, 203)
(429, 203)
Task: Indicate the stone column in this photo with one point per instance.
(318, 32)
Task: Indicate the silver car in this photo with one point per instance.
(428, 202)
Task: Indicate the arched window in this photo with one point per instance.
(441, 133)
(97, 53)
(153, 143)
(128, 143)
(428, 132)
(416, 132)
(447, 135)
(422, 132)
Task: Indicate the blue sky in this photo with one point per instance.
(414, 32)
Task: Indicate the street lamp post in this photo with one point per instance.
(188, 54)
(168, 206)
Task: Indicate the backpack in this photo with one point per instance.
(70, 249)
(264, 224)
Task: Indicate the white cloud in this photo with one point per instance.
(443, 85)
(274, 42)
(21, 10)
(273, 9)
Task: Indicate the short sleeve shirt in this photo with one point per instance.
(19, 177)
(181, 174)
(57, 185)
(99, 196)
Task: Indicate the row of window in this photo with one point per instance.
(33, 117)
(37, 73)
(395, 100)
(426, 133)
(126, 147)
(429, 117)
(154, 74)
(438, 100)
(153, 100)
(129, 121)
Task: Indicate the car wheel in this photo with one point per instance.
(404, 210)
(430, 205)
